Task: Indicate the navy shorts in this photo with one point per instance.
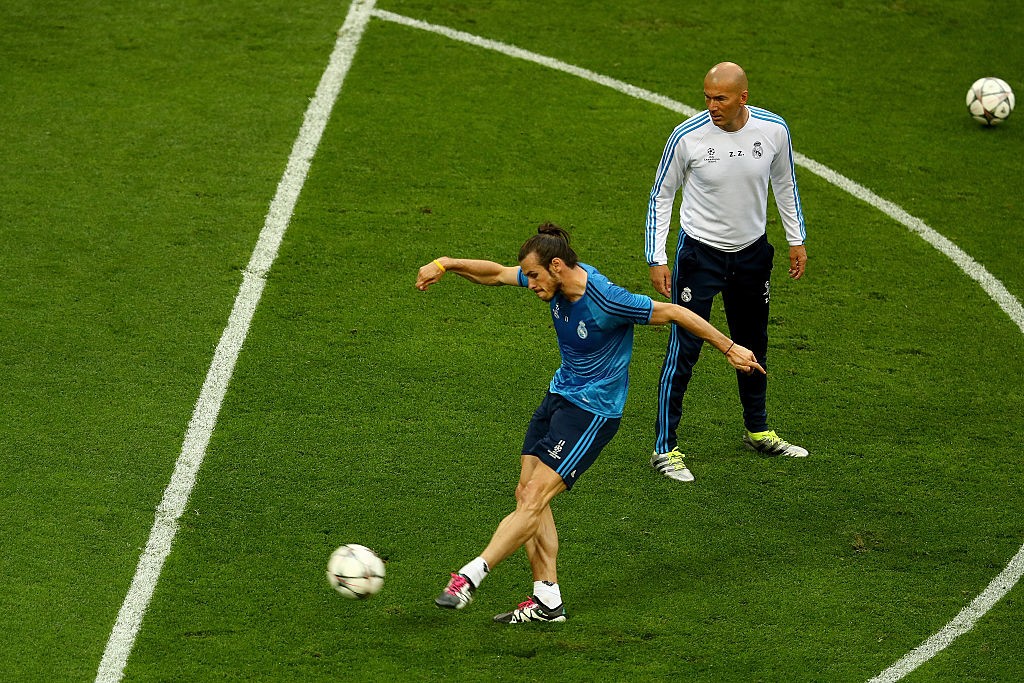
(567, 438)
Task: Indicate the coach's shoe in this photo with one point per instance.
(531, 610)
(671, 465)
(457, 594)
(770, 443)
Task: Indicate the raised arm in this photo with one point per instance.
(480, 272)
(738, 356)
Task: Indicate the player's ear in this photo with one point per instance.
(556, 265)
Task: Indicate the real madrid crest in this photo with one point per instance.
(686, 295)
(581, 330)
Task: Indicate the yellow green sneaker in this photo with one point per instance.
(770, 443)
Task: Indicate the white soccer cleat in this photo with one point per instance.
(671, 465)
(531, 610)
(457, 594)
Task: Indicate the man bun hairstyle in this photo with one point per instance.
(549, 243)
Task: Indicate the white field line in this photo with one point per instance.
(551, 63)
(961, 623)
(204, 417)
(977, 272)
(993, 287)
(999, 586)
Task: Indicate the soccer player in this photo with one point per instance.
(593, 321)
(723, 160)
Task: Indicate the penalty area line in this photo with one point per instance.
(204, 417)
(1014, 570)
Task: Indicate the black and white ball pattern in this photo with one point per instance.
(355, 571)
(990, 100)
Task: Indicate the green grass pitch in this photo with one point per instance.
(142, 144)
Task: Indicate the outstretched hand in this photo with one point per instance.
(428, 275)
(743, 359)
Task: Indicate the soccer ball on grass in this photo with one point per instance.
(990, 101)
(355, 571)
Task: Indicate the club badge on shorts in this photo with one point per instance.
(686, 296)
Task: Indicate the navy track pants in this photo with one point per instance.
(744, 280)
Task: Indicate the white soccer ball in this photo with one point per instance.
(355, 571)
(990, 100)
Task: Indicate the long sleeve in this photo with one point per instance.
(787, 196)
(659, 208)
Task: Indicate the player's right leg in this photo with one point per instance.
(542, 547)
(566, 446)
(532, 610)
(545, 604)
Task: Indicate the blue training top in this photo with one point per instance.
(595, 338)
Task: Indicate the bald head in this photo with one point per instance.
(725, 93)
(727, 75)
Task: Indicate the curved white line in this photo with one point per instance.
(977, 272)
(1006, 580)
(961, 623)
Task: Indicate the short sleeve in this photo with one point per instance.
(622, 303)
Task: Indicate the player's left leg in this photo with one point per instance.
(531, 518)
(562, 442)
(522, 524)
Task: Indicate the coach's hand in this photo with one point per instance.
(661, 278)
(797, 261)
